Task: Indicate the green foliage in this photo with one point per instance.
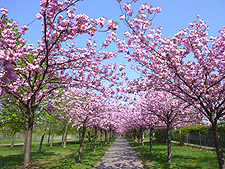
(180, 135)
(11, 118)
(160, 135)
(197, 128)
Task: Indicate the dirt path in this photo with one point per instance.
(119, 156)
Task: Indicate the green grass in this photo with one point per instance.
(182, 157)
(49, 158)
(34, 140)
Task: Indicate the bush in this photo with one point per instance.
(160, 135)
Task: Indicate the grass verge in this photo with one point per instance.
(182, 157)
(34, 140)
(53, 157)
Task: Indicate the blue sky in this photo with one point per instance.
(175, 15)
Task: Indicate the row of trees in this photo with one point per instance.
(65, 80)
(189, 66)
(34, 75)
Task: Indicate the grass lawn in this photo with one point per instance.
(55, 157)
(34, 140)
(182, 157)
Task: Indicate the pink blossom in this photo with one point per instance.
(4, 12)
(15, 23)
(38, 16)
(158, 9)
(89, 43)
(1, 91)
(25, 27)
(150, 9)
(127, 6)
(112, 25)
(30, 46)
(132, 67)
(122, 66)
(122, 17)
(22, 40)
(70, 14)
(130, 13)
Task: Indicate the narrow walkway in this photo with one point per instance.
(119, 156)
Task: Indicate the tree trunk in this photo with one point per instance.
(200, 140)
(53, 132)
(105, 137)
(168, 143)
(28, 140)
(108, 138)
(101, 137)
(82, 143)
(41, 142)
(62, 139)
(89, 136)
(110, 135)
(79, 137)
(139, 136)
(95, 139)
(65, 135)
(13, 138)
(49, 134)
(135, 135)
(180, 137)
(218, 146)
(142, 137)
(150, 138)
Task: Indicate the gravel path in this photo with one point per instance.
(119, 156)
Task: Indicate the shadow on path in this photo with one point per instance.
(119, 155)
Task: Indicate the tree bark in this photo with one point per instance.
(53, 132)
(139, 136)
(41, 142)
(65, 135)
(62, 139)
(168, 143)
(49, 134)
(135, 135)
(142, 137)
(79, 136)
(218, 146)
(13, 138)
(105, 137)
(82, 142)
(89, 136)
(150, 138)
(200, 140)
(95, 139)
(110, 135)
(28, 139)
(101, 137)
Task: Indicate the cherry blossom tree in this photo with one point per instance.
(190, 65)
(31, 73)
(172, 112)
(85, 107)
(151, 120)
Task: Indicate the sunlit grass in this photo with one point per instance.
(52, 157)
(34, 140)
(182, 157)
